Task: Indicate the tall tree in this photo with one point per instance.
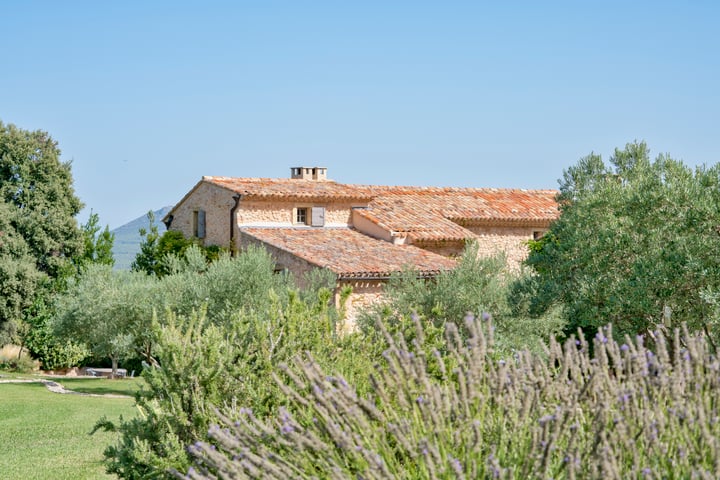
(97, 244)
(19, 277)
(38, 231)
(39, 186)
(636, 243)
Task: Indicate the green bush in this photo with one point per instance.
(15, 359)
(204, 362)
(624, 411)
(478, 286)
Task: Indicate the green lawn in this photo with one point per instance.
(45, 435)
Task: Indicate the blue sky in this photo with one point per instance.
(146, 97)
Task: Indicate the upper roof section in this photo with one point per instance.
(423, 213)
(290, 188)
(406, 208)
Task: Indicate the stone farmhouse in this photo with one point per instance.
(362, 233)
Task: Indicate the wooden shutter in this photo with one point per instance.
(318, 217)
(201, 224)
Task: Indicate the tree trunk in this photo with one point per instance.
(114, 366)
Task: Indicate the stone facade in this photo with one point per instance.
(364, 293)
(272, 212)
(228, 205)
(512, 241)
(217, 204)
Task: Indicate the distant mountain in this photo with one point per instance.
(127, 238)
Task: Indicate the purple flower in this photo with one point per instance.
(624, 347)
(287, 428)
(485, 316)
(456, 465)
(545, 419)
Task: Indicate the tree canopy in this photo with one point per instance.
(39, 234)
(636, 243)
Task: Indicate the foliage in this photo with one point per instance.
(223, 355)
(38, 187)
(19, 277)
(107, 310)
(16, 359)
(52, 352)
(636, 239)
(39, 235)
(97, 244)
(147, 259)
(622, 412)
(162, 255)
(478, 286)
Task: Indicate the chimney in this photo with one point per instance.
(309, 173)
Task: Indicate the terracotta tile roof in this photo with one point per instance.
(432, 213)
(412, 216)
(479, 203)
(349, 253)
(422, 213)
(290, 188)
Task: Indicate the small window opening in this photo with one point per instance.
(199, 224)
(537, 234)
(301, 216)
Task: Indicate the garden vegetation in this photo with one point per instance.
(246, 376)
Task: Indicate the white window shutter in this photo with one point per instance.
(318, 217)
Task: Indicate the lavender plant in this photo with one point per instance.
(616, 410)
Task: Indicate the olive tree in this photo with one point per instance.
(636, 244)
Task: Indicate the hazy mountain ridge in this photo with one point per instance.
(128, 239)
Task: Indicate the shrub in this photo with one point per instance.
(624, 411)
(478, 285)
(201, 364)
(16, 359)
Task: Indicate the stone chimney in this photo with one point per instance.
(309, 173)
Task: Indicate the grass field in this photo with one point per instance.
(45, 435)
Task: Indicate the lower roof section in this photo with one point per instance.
(349, 253)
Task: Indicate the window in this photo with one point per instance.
(537, 235)
(199, 224)
(301, 215)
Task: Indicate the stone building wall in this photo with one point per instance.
(217, 203)
(364, 293)
(280, 212)
(512, 241)
(446, 249)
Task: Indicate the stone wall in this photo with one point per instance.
(280, 212)
(364, 293)
(512, 241)
(217, 203)
(446, 249)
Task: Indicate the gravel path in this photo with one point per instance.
(55, 387)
